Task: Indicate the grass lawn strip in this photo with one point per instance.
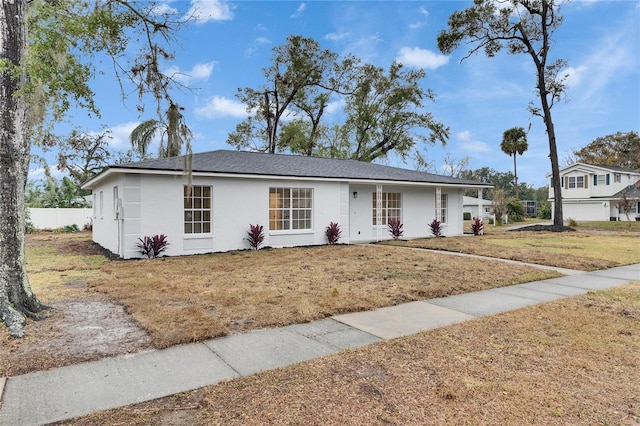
(573, 361)
(187, 299)
(577, 250)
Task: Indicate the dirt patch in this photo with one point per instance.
(82, 325)
(75, 331)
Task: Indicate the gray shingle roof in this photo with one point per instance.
(263, 164)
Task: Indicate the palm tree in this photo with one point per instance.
(173, 128)
(514, 141)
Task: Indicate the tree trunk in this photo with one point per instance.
(515, 174)
(16, 297)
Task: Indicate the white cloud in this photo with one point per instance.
(199, 72)
(119, 135)
(421, 58)
(39, 173)
(164, 9)
(299, 10)
(468, 144)
(260, 41)
(210, 10)
(573, 75)
(424, 12)
(334, 107)
(220, 107)
(611, 56)
(336, 36)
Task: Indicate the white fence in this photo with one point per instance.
(58, 218)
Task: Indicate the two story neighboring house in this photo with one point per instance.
(591, 192)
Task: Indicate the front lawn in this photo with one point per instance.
(569, 362)
(573, 250)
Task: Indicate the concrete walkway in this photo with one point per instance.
(61, 394)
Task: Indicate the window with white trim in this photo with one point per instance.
(579, 181)
(197, 209)
(290, 209)
(572, 181)
(101, 204)
(617, 178)
(115, 202)
(441, 214)
(391, 208)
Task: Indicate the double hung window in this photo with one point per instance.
(197, 209)
(390, 208)
(290, 208)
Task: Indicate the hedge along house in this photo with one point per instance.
(293, 197)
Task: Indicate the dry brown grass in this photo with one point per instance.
(572, 250)
(574, 361)
(187, 299)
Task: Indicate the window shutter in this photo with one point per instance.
(586, 181)
(566, 182)
(608, 178)
(595, 180)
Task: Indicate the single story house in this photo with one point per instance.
(293, 197)
(475, 205)
(593, 193)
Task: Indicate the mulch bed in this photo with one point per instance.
(545, 228)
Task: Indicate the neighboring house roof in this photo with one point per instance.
(631, 192)
(598, 166)
(263, 164)
(473, 201)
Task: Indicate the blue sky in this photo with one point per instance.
(229, 43)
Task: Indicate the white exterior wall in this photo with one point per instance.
(53, 218)
(106, 229)
(418, 211)
(587, 210)
(153, 204)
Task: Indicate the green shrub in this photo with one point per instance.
(515, 210)
(572, 222)
(71, 228)
(544, 210)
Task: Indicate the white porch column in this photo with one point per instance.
(438, 202)
(379, 212)
(480, 205)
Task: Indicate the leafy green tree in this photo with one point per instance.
(383, 108)
(514, 141)
(498, 204)
(500, 180)
(384, 113)
(301, 75)
(522, 27)
(618, 150)
(171, 129)
(83, 155)
(46, 51)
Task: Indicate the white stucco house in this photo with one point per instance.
(478, 208)
(592, 193)
(293, 197)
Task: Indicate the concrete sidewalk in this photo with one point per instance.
(64, 393)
